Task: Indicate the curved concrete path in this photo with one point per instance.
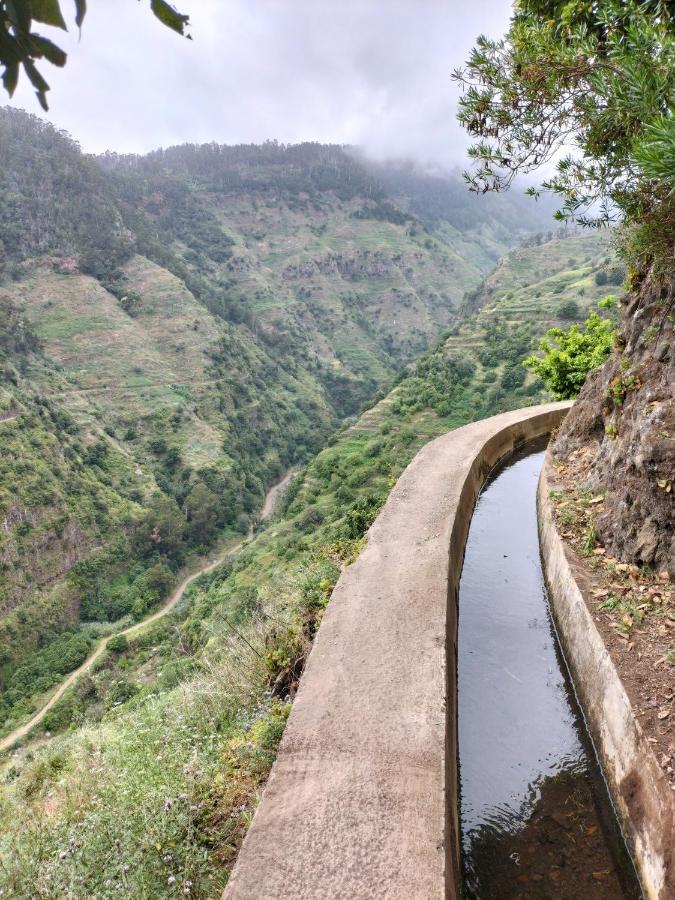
(362, 799)
(271, 500)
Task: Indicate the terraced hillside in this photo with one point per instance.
(198, 703)
(177, 331)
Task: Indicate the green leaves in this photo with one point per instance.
(47, 11)
(595, 77)
(570, 355)
(49, 50)
(21, 46)
(655, 151)
(170, 17)
(80, 12)
(38, 82)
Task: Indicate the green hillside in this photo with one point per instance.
(177, 331)
(197, 703)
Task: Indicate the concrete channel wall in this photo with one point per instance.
(362, 800)
(639, 787)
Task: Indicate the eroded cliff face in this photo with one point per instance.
(626, 414)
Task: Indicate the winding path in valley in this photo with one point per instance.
(271, 500)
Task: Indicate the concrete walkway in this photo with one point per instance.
(362, 799)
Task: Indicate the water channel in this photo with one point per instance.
(536, 819)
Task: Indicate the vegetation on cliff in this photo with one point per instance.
(591, 88)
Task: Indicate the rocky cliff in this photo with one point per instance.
(626, 413)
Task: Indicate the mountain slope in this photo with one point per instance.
(178, 330)
(198, 704)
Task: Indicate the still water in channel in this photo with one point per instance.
(536, 819)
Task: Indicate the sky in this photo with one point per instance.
(372, 73)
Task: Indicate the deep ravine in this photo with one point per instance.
(205, 566)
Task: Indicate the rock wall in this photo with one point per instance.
(626, 412)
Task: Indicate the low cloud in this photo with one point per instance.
(375, 73)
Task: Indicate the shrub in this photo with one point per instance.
(570, 355)
(118, 643)
(361, 515)
(569, 310)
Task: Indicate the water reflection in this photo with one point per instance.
(536, 820)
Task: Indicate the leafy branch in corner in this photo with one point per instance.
(21, 46)
(587, 90)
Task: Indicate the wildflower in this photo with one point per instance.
(167, 857)
(171, 879)
(182, 796)
(167, 805)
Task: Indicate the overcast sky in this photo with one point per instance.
(375, 73)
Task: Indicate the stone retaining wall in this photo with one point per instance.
(362, 800)
(637, 784)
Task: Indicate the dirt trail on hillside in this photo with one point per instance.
(274, 494)
(268, 508)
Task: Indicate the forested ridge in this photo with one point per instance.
(179, 329)
(167, 352)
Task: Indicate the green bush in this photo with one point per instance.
(361, 515)
(118, 643)
(569, 310)
(570, 355)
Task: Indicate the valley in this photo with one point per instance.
(271, 500)
(214, 679)
(178, 330)
(336, 471)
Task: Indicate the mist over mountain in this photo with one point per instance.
(178, 330)
(182, 327)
